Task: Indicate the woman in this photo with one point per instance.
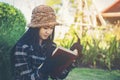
(36, 46)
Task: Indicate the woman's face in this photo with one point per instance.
(45, 32)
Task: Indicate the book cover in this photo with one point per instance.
(62, 59)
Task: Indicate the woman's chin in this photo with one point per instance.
(45, 38)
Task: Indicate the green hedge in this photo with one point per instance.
(12, 26)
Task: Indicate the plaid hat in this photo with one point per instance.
(43, 15)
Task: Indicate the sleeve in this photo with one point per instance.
(48, 64)
(23, 69)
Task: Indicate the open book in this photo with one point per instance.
(63, 58)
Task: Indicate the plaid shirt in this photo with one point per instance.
(27, 62)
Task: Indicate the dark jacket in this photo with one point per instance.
(28, 55)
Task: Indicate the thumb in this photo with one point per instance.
(75, 52)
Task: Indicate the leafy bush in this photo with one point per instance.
(68, 39)
(12, 26)
(101, 47)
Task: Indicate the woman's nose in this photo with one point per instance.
(49, 31)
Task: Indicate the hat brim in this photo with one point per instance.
(43, 24)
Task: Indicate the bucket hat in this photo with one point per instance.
(43, 15)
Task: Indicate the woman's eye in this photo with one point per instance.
(45, 28)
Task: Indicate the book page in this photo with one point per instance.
(65, 50)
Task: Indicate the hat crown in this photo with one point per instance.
(43, 9)
(43, 15)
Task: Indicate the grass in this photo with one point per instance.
(93, 74)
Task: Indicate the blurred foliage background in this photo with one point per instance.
(101, 43)
(12, 26)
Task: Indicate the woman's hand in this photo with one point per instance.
(77, 47)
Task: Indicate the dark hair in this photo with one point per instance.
(31, 37)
